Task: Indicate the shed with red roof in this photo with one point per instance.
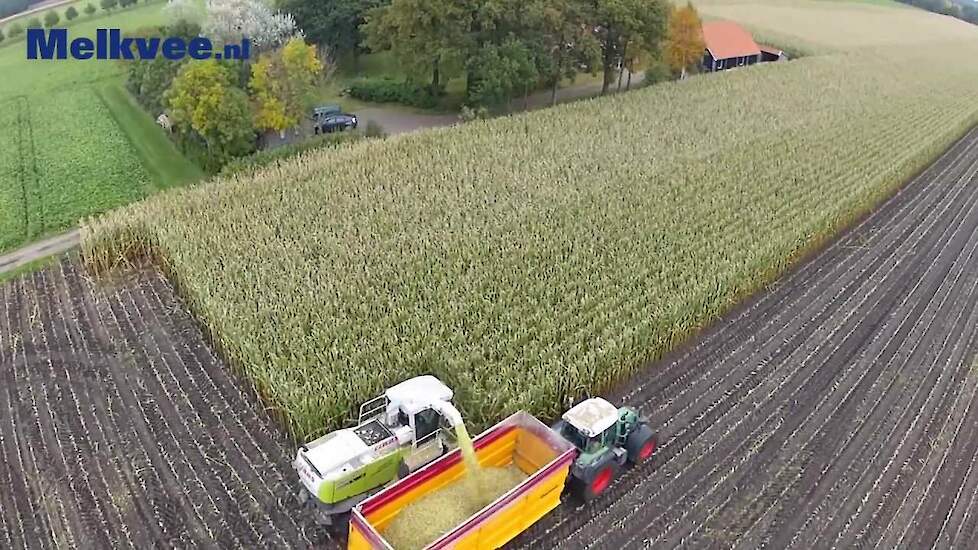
(728, 45)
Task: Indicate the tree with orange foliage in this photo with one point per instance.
(282, 83)
(684, 39)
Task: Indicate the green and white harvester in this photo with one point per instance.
(397, 433)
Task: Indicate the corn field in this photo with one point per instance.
(534, 259)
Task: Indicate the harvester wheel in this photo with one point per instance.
(641, 445)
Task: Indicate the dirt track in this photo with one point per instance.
(838, 409)
(120, 429)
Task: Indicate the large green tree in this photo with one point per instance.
(333, 23)
(149, 79)
(504, 71)
(624, 24)
(569, 44)
(424, 35)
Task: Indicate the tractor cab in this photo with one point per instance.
(606, 438)
(591, 426)
(396, 433)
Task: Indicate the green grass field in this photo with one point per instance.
(167, 167)
(72, 142)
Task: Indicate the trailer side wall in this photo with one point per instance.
(520, 439)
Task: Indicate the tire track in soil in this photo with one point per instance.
(33, 521)
(120, 428)
(132, 518)
(259, 444)
(145, 466)
(67, 416)
(874, 336)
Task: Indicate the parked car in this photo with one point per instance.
(336, 123)
(323, 111)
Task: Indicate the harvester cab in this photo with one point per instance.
(607, 438)
(396, 433)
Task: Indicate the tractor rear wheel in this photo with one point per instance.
(641, 444)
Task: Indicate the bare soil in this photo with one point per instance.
(837, 409)
(119, 428)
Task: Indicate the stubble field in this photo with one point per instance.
(119, 427)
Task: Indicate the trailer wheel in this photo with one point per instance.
(641, 445)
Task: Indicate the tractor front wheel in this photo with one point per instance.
(590, 490)
(641, 445)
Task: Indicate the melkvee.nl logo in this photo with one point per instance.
(112, 44)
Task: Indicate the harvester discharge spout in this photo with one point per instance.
(449, 412)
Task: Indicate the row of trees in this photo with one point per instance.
(503, 48)
(51, 18)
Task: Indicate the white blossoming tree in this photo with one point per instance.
(232, 20)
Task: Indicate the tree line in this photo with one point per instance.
(51, 17)
(502, 48)
(217, 108)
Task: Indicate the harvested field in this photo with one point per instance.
(120, 429)
(838, 409)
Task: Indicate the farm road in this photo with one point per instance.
(838, 409)
(120, 428)
(39, 250)
(399, 121)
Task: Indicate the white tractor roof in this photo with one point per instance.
(592, 417)
(418, 393)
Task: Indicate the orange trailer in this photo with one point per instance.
(521, 439)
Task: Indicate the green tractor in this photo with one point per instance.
(607, 438)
